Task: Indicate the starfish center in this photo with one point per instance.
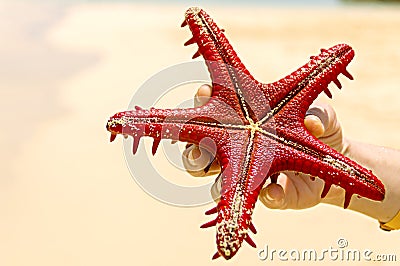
(253, 127)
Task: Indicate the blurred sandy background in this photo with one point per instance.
(66, 195)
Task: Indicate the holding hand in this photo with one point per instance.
(298, 191)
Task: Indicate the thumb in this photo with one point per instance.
(321, 121)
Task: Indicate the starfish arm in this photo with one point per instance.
(212, 42)
(243, 174)
(231, 80)
(301, 152)
(190, 125)
(297, 91)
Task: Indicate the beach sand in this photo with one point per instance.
(67, 197)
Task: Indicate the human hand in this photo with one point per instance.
(292, 190)
(297, 190)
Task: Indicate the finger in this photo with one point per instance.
(201, 157)
(203, 95)
(316, 119)
(332, 134)
(273, 196)
(282, 195)
(214, 168)
(194, 161)
(304, 190)
(199, 162)
(314, 125)
(327, 119)
(216, 189)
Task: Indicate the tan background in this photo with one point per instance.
(66, 196)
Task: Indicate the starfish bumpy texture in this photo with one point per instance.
(258, 130)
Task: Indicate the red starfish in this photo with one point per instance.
(257, 128)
